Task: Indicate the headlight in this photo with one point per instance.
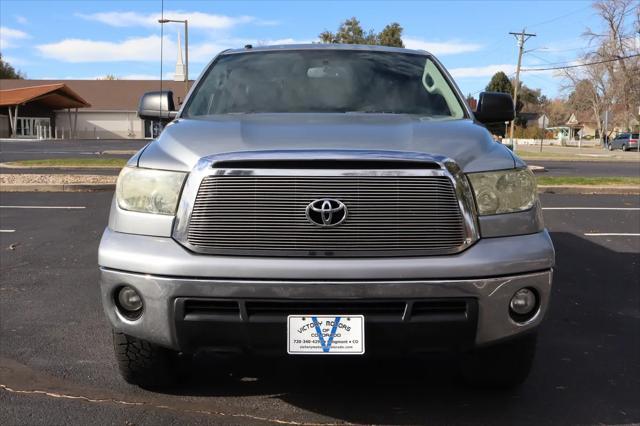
(148, 190)
(504, 191)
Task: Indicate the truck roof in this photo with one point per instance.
(326, 46)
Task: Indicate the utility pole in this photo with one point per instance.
(521, 37)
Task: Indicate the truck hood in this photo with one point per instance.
(185, 141)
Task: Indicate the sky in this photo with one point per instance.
(88, 39)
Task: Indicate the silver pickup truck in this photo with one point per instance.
(326, 200)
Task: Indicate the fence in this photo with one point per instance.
(556, 142)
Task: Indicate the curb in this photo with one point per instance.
(67, 187)
(536, 169)
(589, 189)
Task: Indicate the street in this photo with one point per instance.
(588, 168)
(57, 364)
(123, 148)
(65, 148)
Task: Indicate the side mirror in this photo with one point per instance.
(157, 106)
(494, 107)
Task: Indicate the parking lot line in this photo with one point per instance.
(592, 208)
(7, 230)
(611, 234)
(43, 207)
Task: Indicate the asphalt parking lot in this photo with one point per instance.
(57, 365)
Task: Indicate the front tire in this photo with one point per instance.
(143, 363)
(504, 365)
(623, 147)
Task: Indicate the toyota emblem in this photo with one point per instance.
(326, 212)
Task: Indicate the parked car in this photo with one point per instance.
(624, 141)
(328, 200)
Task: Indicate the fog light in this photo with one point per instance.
(130, 302)
(523, 302)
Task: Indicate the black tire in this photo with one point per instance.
(623, 147)
(610, 147)
(143, 363)
(504, 365)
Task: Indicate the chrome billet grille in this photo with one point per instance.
(387, 215)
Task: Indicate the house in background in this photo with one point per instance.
(105, 109)
(582, 125)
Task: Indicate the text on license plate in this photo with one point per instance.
(325, 334)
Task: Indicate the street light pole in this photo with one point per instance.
(186, 58)
(186, 49)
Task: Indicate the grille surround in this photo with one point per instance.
(261, 212)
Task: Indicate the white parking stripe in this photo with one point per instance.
(592, 208)
(610, 234)
(43, 207)
(7, 230)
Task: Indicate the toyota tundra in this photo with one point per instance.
(326, 200)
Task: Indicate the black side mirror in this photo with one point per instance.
(157, 105)
(494, 107)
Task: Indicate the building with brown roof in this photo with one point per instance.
(83, 108)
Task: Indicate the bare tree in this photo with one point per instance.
(614, 44)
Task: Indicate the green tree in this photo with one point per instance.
(391, 35)
(500, 83)
(351, 32)
(7, 71)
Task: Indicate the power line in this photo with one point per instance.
(557, 18)
(547, 62)
(581, 65)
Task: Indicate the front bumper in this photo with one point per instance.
(485, 276)
(164, 322)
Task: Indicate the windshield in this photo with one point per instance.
(336, 81)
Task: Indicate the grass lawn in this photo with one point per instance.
(114, 163)
(577, 155)
(534, 155)
(578, 180)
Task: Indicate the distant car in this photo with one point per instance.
(625, 141)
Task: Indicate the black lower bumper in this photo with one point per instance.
(392, 327)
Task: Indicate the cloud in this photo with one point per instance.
(196, 19)
(489, 70)
(144, 49)
(16, 61)
(75, 50)
(8, 37)
(451, 47)
(21, 20)
(483, 71)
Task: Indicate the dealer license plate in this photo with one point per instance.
(325, 334)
